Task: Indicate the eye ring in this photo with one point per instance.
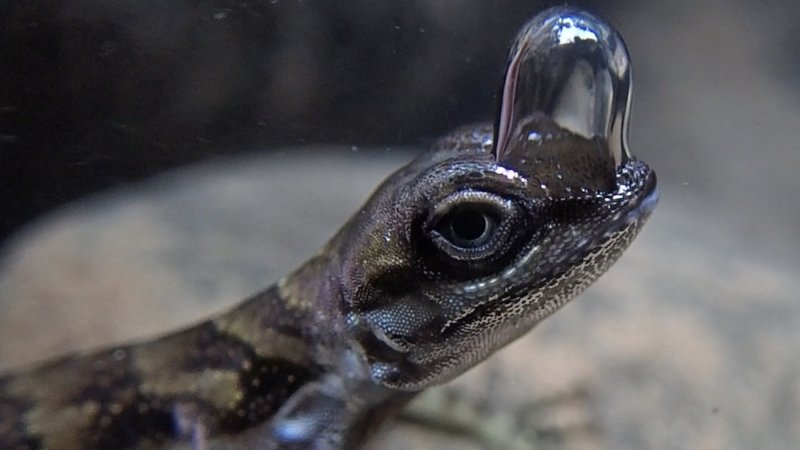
(472, 226)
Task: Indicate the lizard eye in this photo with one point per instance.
(468, 226)
(472, 226)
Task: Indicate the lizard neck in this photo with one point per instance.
(293, 318)
(301, 320)
(299, 317)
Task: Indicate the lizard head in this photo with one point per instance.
(495, 228)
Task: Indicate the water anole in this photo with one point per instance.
(455, 255)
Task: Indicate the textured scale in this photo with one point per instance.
(453, 256)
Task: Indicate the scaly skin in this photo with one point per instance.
(455, 255)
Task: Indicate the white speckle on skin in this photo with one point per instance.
(508, 173)
(470, 288)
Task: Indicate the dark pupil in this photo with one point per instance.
(468, 225)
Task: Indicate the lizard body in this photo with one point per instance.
(454, 256)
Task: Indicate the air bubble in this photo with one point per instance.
(570, 70)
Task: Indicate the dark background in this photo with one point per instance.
(98, 93)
